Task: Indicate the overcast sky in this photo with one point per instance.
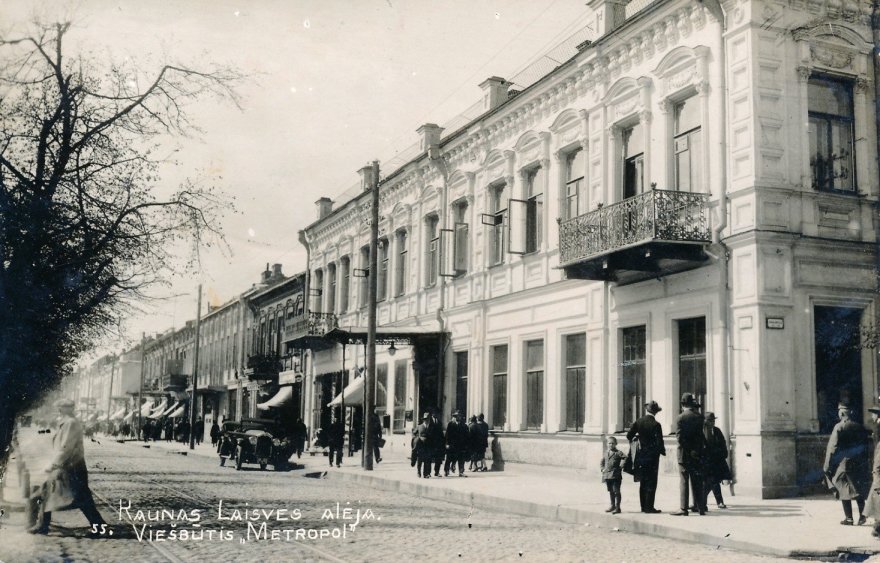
(333, 84)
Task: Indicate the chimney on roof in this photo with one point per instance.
(367, 177)
(608, 15)
(264, 277)
(430, 136)
(276, 272)
(325, 207)
(494, 92)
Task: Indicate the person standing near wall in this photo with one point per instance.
(847, 463)
(691, 449)
(646, 464)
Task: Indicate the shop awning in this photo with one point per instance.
(385, 334)
(128, 417)
(118, 414)
(353, 393)
(282, 396)
(179, 412)
(170, 409)
(159, 409)
(147, 407)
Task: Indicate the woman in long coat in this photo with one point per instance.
(68, 483)
(847, 464)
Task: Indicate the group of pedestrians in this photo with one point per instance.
(165, 427)
(461, 442)
(702, 459)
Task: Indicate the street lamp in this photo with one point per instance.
(392, 349)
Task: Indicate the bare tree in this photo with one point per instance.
(83, 225)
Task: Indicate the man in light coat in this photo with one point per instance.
(68, 483)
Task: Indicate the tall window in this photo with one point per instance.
(432, 249)
(399, 395)
(534, 384)
(632, 366)
(400, 267)
(344, 283)
(382, 277)
(633, 161)
(688, 146)
(318, 290)
(331, 288)
(575, 190)
(460, 241)
(499, 386)
(381, 389)
(363, 286)
(461, 381)
(534, 208)
(498, 208)
(692, 357)
(575, 380)
(831, 133)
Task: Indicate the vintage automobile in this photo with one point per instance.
(255, 440)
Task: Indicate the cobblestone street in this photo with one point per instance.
(398, 527)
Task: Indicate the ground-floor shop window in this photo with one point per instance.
(575, 380)
(381, 389)
(692, 358)
(632, 367)
(399, 395)
(499, 386)
(461, 382)
(534, 384)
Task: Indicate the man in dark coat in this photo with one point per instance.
(848, 464)
(336, 440)
(215, 433)
(300, 432)
(376, 427)
(691, 449)
(199, 430)
(438, 443)
(457, 437)
(422, 446)
(646, 464)
(716, 467)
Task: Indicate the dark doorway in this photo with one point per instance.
(427, 367)
(461, 382)
(838, 363)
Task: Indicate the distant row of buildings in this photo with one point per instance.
(687, 203)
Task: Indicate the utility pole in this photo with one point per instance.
(195, 382)
(110, 392)
(141, 388)
(373, 279)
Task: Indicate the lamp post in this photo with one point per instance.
(195, 381)
(370, 382)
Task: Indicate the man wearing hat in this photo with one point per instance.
(716, 469)
(456, 444)
(691, 449)
(67, 485)
(422, 446)
(847, 463)
(646, 464)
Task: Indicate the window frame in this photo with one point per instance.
(695, 156)
(401, 239)
(432, 249)
(497, 240)
(499, 404)
(633, 166)
(577, 183)
(534, 372)
(382, 266)
(579, 372)
(830, 119)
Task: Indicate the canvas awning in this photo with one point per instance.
(353, 393)
(159, 409)
(128, 417)
(146, 407)
(179, 412)
(118, 414)
(170, 409)
(282, 396)
(385, 334)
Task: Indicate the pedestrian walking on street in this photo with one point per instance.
(336, 440)
(647, 434)
(691, 449)
(438, 443)
(67, 485)
(300, 433)
(473, 442)
(611, 466)
(378, 442)
(847, 464)
(456, 444)
(199, 430)
(483, 443)
(422, 447)
(215, 433)
(169, 429)
(716, 467)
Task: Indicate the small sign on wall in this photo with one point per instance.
(775, 323)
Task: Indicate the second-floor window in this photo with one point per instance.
(318, 290)
(575, 200)
(831, 133)
(331, 288)
(460, 238)
(498, 209)
(400, 266)
(432, 250)
(344, 283)
(364, 285)
(687, 146)
(534, 208)
(382, 265)
(633, 161)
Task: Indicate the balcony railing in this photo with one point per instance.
(312, 324)
(262, 366)
(658, 215)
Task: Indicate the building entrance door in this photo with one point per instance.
(838, 363)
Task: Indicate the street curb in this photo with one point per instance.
(573, 515)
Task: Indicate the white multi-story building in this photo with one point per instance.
(688, 203)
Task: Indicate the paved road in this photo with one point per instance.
(397, 528)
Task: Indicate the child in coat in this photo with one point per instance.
(612, 464)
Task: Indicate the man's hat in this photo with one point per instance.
(426, 415)
(842, 406)
(64, 403)
(710, 416)
(456, 413)
(687, 400)
(652, 407)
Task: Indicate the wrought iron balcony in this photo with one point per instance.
(308, 331)
(650, 235)
(262, 366)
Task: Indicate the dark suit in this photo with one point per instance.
(456, 446)
(336, 441)
(422, 448)
(716, 467)
(691, 449)
(647, 462)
